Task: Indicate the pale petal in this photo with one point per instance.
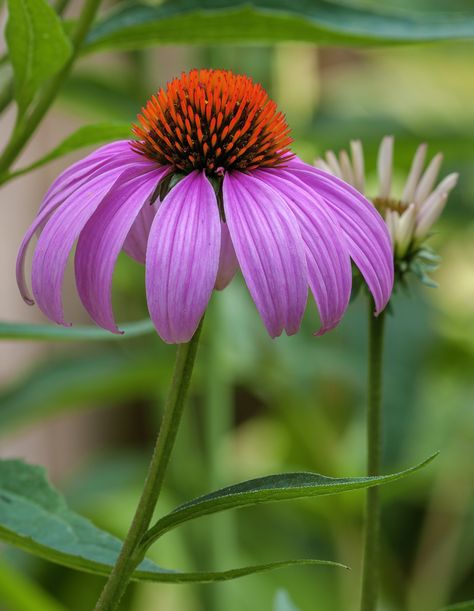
(418, 162)
(428, 179)
(391, 219)
(346, 168)
(430, 215)
(448, 183)
(357, 154)
(333, 163)
(405, 229)
(322, 165)
(385, 166)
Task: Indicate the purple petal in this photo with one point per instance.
(136, 241)
(119, 151)
(329, 264)
(58, 237)
(367, 236)
(270, 251)
(109, 161)
(182, 258)
(228, 263)
(102, 239)
(45, 214)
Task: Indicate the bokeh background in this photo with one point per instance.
(90, 412)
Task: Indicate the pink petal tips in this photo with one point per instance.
(207, 188)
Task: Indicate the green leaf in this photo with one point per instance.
(465, 606)
(35, 517)
(84, 136)
(135, 25)
(51, 333)
(37, 46)
(281, 487)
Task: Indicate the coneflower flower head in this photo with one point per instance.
(409, 216)
(209, 186)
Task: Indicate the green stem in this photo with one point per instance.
(370, 569)
(27, 125)
(6, 95)
(132, 552)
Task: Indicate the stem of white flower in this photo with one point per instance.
(370, 570)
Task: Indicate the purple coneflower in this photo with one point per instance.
(209, 186)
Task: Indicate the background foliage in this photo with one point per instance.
(259, 406)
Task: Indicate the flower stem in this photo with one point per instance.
(370, 569)
(132, 552)
(26, 126)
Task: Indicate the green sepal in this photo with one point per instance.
(420, 262)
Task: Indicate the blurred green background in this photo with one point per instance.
(260, 406)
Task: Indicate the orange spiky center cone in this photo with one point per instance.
(215, 121)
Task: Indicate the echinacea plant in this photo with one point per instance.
(409, 218)
(208, 186)
(409, 215)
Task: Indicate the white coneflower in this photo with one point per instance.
(410, 217)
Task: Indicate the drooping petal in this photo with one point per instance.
(57, 239)
(102, 238)
(367, 236)
(119, 151)
(103, 176)
(270, 251)
(136, 241)
(329, 264)
(182, 258)
(228, 263)
(108, 161)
